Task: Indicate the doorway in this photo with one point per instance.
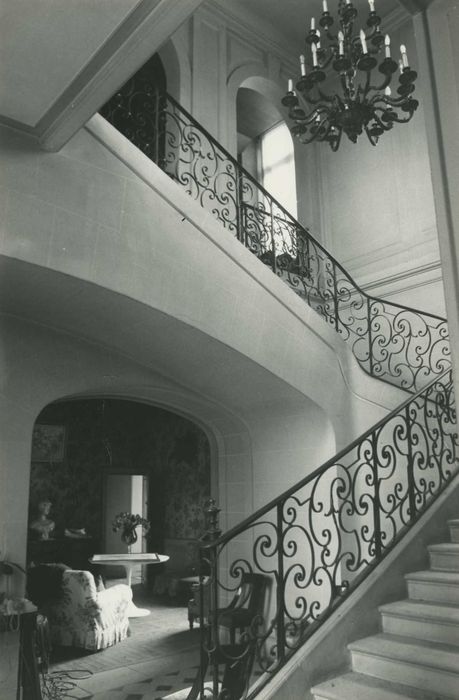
(125, 493)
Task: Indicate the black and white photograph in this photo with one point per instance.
(229, 285)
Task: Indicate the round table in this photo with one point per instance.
(129, 561)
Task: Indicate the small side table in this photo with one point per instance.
(129, 561)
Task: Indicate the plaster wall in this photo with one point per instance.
(373, 208)
(159, 303)
(120, 223)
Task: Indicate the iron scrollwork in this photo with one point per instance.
(316, 542)
(402, 346)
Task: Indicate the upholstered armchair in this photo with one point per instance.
(84, 617)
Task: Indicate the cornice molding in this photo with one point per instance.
(428, 271)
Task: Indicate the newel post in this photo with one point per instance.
(210, 646)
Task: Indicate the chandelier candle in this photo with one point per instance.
(302, 65)
(404, 56)
(322, 107)
(387, 45)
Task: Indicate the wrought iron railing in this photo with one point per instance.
(399, 345)
(317, 541)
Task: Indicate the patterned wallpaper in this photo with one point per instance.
(127, 437)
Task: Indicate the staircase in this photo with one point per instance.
(319, 540)
(417, 653)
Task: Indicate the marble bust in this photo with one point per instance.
(43, 525)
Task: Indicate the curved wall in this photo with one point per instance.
(117, 284)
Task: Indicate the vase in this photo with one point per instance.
(129, 536)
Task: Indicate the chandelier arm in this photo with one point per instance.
(372, 139)
(380, 123)
(380, 103)
(395, 118)
(335, 144)
(323, 115)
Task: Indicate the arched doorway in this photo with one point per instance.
(90, 456)
(135, 108)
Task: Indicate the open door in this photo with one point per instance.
(124, 493)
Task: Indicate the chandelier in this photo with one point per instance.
(356, 100)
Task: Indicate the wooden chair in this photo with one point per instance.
(240, 613)
(246, 605)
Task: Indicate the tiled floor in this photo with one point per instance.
(161, 657)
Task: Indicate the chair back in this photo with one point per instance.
(250, 594)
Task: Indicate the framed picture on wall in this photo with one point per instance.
(48, 443)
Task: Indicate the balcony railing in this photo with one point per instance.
(397, 344)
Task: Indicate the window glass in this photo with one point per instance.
(278, 166)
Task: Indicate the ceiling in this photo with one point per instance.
(61, 59)
(44, 45)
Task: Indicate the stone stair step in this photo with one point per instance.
(355, 686)
(417, 663)
(434, 586)
(454, 530)
(444, 557)
(422, 620)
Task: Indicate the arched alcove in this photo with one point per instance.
(97, 437)
(88, 457)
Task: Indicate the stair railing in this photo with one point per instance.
(318, 540)
(400, 345)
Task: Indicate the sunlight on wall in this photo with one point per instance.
(278, 166)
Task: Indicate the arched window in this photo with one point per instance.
(265, 146)
(278, 166)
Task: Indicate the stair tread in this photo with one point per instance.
(433, 576)
(448, 614)
(444, 657)
(444, 547)
(358, 686)
(455, 521)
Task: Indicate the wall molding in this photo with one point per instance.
(411, 278)
(272, 43)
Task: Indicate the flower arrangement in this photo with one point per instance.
(127, 523)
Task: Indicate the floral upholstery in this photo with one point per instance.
(84, 617)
